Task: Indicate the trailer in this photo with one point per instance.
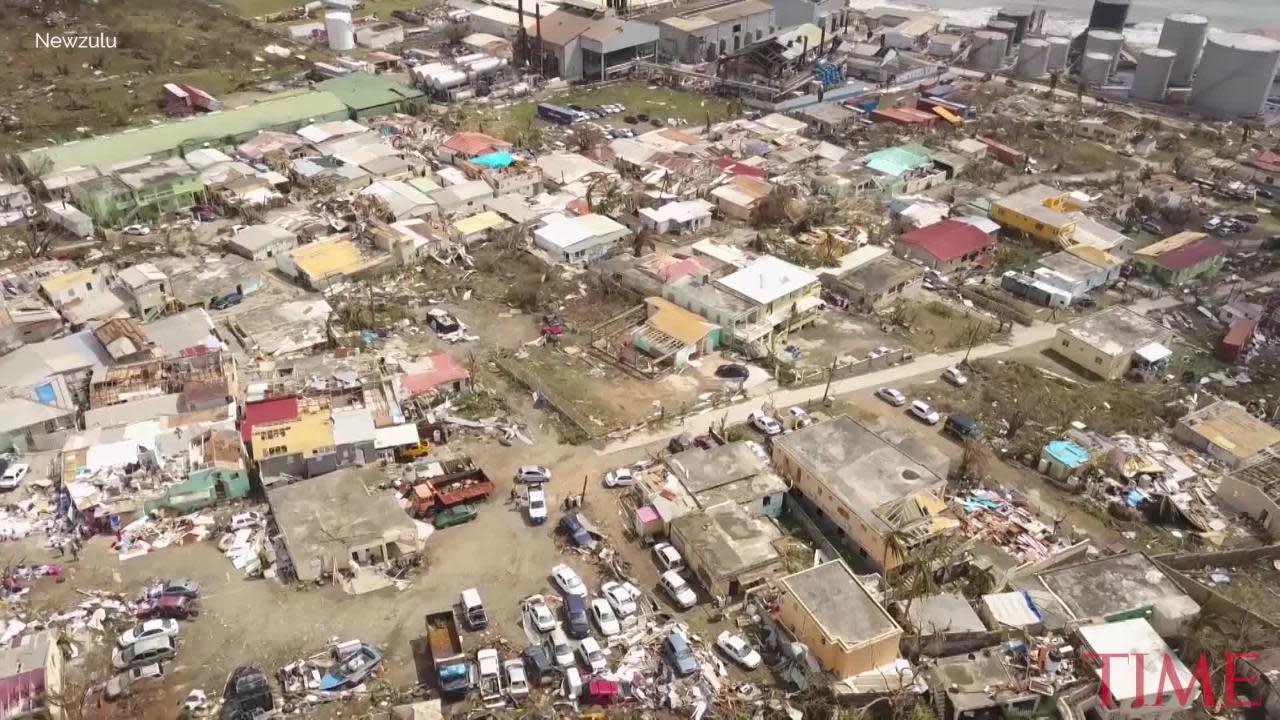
(444, 484)
(453, 670)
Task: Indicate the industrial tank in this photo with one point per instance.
(1185, 35)
(988, 50)
(1107, 42)
(1151, 80)
(337, 25)
(1007, 29)
(1059, 49)
(1235, 74)
(1021, 20)
(1033, 58)
(1109, 14)
(1095, 69)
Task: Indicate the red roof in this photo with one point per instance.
(266, 412)
(997, 145)
(947, 240)
(472, 144)
(734, 167)
(1191, 254)
(444, 371)
(1266, 161)
(1240, 332)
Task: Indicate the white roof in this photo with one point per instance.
(681, 211)
(1153, 352)
(401, 197)
(571, 231)
(768, 279)
(735, 195)
(201, 158)
(564, 168)
(326, 131)
(395, 436)
(986, 225)
(1013, 609)
(782, 123)
(257, 237)
(1143, 653)
(141, 274)
(353, 426)
(724, 253)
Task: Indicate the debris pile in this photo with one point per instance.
(146, 534)
(989, 515)
(338, 673)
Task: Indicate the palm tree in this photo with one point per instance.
(896, 543)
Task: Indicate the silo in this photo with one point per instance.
(1109, 14)
(1007, 29)
(1106, 42)
(1021, 20)
(1184, 35)
(988, 50)
(1151, 80)
(1059, 49)
(1095, 69)
(337, 25)
(1033, 58)
(1235, 74)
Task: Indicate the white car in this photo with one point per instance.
(878, 351)
(605, 620)
(678, 590)
(737, 649)
(13, 475)
(150, 628)
(566, 578)
(517, 680)
(561, 650)
(121, 683)
(892, 396)
(955, 376)
(137, 230)
(801, 416)
(924, 412)
(668, 557)
(622, 597)
(758, 449)
(622, 477)
(539, 614)
(250, 519)
(537, 505)
(765, 423)
(533, 474)
(592, 656)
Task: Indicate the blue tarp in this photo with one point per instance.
(498, 159)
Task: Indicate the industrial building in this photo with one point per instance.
(701, 33)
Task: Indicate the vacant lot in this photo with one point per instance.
(933, 325)
(50, 95)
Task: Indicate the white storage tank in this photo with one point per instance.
(988, 50)
(486, 65)
(1008, 29)
(342, 34)
(1235, 74)
(1104, 41)
(1095, 69)
(1184, 34)
(1033, 58)
(1059, 49)
(1151, 80)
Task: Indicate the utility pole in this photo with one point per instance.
(831, 371)
(582, 499)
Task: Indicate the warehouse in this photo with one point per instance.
(368, 95)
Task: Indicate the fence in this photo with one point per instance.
(1222, 558)
(588, 427)
(852, 369)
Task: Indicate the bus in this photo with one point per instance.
(560, 115)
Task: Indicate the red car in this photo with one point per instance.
(177, 607)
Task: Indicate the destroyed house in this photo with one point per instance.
(1227, 432)
(216, 470)
(1255, 491)
(301, 447)
(31, 676)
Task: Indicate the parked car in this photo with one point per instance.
(229, 300)
(800, 416)
(247, 693)
(560, 649)
(456, 515)
(517, 680)
(955, 376)
(566, 578)
(733, 371)
(144, 652)
(1249, 218)
(578, 622)
(765, 423)
(738, 650)
(878, 352)
(533, 474)
(962, 427)
(602, 614)
(168, 606)
(537, 505)
(924, 412)
(592, 656)
(539, 614)
(571, 685)
(892, 396)
(573, 526)
(621, 597)
(621, 477)
(667, 557)
(179, 587)
(13, 476)
(538, 663)
(679, 655)
(678, 590)
(137, 230)
(148, 629)
(442, 322)
(123, 683)
(1152, 227)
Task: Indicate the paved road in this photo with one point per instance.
(930, 364)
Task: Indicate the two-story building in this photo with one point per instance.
(701, 34)
(1040, 212)
(145, 286)
(780, 297)
(159, 186)
(299, 447)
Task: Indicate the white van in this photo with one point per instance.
(473, 610)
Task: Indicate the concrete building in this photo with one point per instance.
(1255, 491)
(701, 34)
(1120, 586)
(13, 197)
(782, 297)
(320, 264)
(196, 282)
(578, 47)
(579, 239)
(728, 548)
(76, 285)
(331, 522)
(146, 288)
(680, 217)
(462, 200)
(1140, 669)
(300, 448)
(946, 622)
(729, 473)
(32, 676)
(980, 682)
(1114, 341)
(876, 284)
(262, 242)
(827, 609)
(1181, 258)
(826, 14)
(1079, 269)
(1040, 212)
(1228, 432)
(865, 485)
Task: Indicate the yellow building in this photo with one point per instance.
(827, 609)
(1111, 342)
(320, 264)
(301, 447)
(1040, 212)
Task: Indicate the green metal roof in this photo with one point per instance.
(361, 91)
(896, 161)
(298, 107)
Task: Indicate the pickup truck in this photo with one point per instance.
(490, 677)
(447, 486)
(453, 670)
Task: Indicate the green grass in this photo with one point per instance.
(655, 101)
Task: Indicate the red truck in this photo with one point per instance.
(442, 484)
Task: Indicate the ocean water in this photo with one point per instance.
(1069, 17)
